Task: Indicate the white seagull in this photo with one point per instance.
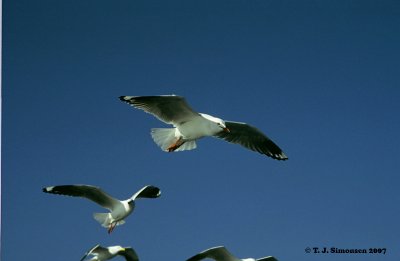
(105, 253)
(191, 125)
(220, 253)
(120, 209)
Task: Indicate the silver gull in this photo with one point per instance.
(190, 125)
(120, 209)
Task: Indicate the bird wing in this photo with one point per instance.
(219, 253)
(129, 254)
(147, 192)
(92, 250)
(170, 109)
(251, 138)
(85, 191)
(267, 258)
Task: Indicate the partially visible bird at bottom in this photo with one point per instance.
(100, 253)
(220, 253)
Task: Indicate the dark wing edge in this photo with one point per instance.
(148, 191)
(92, 193)
(216, 253)
(197, 257)
(129, 254)
(251, 138)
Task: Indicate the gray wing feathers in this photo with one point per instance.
(93, 249)
(251, 138)
(85, 191)
(129, 254)
(170, 109)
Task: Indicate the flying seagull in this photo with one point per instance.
(220, 253)
(105, 253)
(120, 209)
(190, 125)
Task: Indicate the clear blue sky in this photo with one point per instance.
(321, 78)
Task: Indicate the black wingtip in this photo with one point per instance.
(282, 157)
(122, 98)
(150, 192)
(278, 157)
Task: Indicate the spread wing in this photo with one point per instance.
(170, 109)
(219, 253)
(94, 250)
(147, 192)
(129, 254)
(267, 258)
(92, 193)
(251, 138)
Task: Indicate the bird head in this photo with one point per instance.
(131, 202)
(115, 249)
(222, 125)
(224, 128)
(217, 124)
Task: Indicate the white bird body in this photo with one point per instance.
(190, 126)
(204, 125)
(117, 215)
(119, 209)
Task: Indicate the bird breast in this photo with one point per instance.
(123, 210)
(197, 128)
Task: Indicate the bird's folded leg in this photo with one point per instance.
(175, 145)
(111, 227)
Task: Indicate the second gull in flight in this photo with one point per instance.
(120, 209)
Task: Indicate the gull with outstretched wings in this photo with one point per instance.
(119, 209)
(190, 125)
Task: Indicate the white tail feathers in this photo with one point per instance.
(105, 219)
(188, 145)
(165, 137)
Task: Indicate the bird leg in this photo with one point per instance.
(111, 227)
(175, 145)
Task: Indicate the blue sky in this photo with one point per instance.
(320, 78)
